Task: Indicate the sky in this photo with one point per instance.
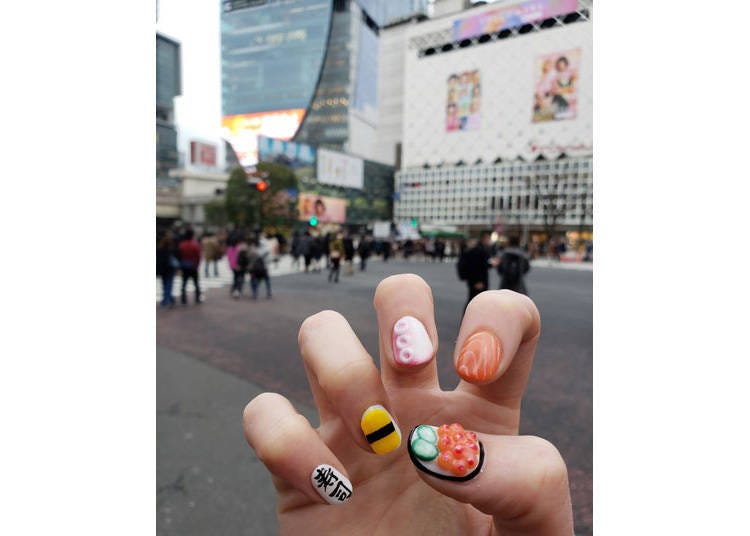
(195, 25)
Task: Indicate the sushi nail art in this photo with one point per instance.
(448, 451)
(480, 357)
(330, 484)
(381, 431)
(410, 341)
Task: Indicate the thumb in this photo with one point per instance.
(521, 481)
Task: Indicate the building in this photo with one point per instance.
(168, 86)
(497, 123)
(305, 70)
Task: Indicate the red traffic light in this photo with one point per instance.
(261, 186)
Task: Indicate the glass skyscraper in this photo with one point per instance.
(287, 67)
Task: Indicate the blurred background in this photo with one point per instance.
(306, 149)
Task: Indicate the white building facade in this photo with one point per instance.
(497, 120)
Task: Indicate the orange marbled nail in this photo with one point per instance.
(479, 358)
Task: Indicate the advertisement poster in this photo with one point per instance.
(326, 209)
(464, 101)
(340, 169)
(242, 130)
(556, 86)
(289, 153)
(510, 17)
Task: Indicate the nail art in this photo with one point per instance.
(479, 358)
(380, 430)
(448, 451)
(330, 484)
(411, 344)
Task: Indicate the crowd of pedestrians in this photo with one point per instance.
(249, 255)
(178, 252)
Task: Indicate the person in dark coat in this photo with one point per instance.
(166, 267)
(349, 254)
(364, 250)
(514, 264)
(477, 264)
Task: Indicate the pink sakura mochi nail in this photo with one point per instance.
(411, 344)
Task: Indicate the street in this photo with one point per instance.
(214, 357)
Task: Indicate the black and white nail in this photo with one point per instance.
(330, 484)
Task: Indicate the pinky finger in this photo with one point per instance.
(275, 430)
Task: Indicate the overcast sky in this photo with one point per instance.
(195, 24)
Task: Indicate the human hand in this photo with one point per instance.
(521, 486)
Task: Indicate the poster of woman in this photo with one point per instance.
(463, 103)
(556, 86)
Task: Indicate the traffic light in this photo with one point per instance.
(261, 186)
(414, 222)
(313, 221)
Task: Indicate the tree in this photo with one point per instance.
(246, 206)
(238, 199)
(278, 202)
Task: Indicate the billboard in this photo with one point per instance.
(340, 169)
(326, 209)
(242, 130)
(556, 86)
(510, 17)
(289, 153)
(202, 154)
(464, 99)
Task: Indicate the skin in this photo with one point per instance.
(522, 487)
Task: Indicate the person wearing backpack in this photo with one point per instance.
(239, 262)
(258, 270)
(514, 264)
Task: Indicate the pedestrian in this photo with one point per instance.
(189, 252)
(386, 250)
(327, 248)
(166, 267)
(336, 251)
(305, 248)
(258, 271)
(513, 265)
(474, 264)
(211, 253)
(349, 254)
(271, 244)
(316, 249)
(440, 250)
(296, 251)
(238, 261)
(408, 248)
(364, 249)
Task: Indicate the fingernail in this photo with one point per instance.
(448, 451)
(411, 344)
(330, 484)
(479, 358)
(380, 430)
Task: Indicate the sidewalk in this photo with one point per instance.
(208, 480)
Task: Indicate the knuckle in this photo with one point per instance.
(279, 441)
(356, 374)
(551, 472)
